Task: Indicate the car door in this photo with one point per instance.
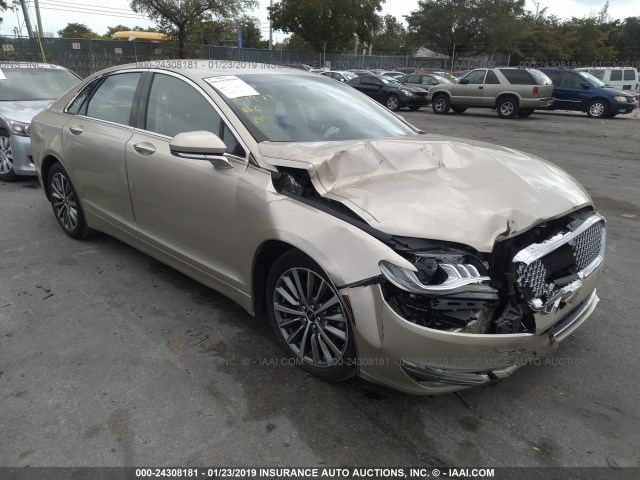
(373, 87)
(570, 93)
(94, 142)
(470, 89)
(183, 207)
(492, 88)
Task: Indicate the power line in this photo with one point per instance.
(83, 6)
(100, 14)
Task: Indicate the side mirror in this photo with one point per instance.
(200, 145)
(585, 85)
(464, 81)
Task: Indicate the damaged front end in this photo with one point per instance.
(531, 292)
(449, 316)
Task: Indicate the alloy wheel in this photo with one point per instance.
(440, 104)
(64, 201)
(506, 109)
(393, 103)
(6, 156)
(310, 317)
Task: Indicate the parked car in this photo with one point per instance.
(395, 75)
(389, 92)
(25, 89)
(425, 81)
(582, 92)
(426, 263)
(511, 91)
(360, 72)
(622, 78)
(340, 75)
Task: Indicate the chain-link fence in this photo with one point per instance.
(85, 56)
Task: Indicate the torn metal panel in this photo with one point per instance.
(466, 192)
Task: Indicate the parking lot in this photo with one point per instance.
(109, 358)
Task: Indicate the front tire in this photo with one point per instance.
(7, 172)
(458, 109)
(508, 107)
(598, 109)
(441, 104)
(393, 103)
(65, 204)
(309, 319)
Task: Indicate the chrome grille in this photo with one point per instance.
(586, 246)
(532, 277)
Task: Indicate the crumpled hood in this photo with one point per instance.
(22, 111)
(435, 187)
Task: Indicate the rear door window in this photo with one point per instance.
(492, 78)
(616, 75)
(629, 74)
(571, 80)
(517, 77)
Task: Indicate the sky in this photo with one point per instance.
(57, 13)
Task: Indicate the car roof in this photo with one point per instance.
(201, 69)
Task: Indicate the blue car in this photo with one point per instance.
(582, 92)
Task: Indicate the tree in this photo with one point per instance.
(77, 30)
(212, 32)
(473, 26)
(625, 37)
(3, 7)
(541, 40)
(587, 40)
(328, 24)
(390, 36)
(178, 18)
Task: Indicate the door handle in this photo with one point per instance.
(144, 148)
(76, 129)
(480, 88)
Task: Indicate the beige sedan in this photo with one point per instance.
(425, 263)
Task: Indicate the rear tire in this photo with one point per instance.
(458, 109)
(66, 205)
(508, 107)
(441, 104)
(309, 319)
(7, 172)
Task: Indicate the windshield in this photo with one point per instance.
(441, 79)
(295, 108)
(593, 81)
(24, 84)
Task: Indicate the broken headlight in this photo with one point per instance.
(447, 291)
(439, 274)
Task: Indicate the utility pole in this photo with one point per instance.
(270, 27)
(38, 18)
(27, 20)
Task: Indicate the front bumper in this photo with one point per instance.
(623, 107)
(22, 159)
(415, 359)
(416, 100)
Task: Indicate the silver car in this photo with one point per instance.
(429, 264)
(25, 89)
(513, 92)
